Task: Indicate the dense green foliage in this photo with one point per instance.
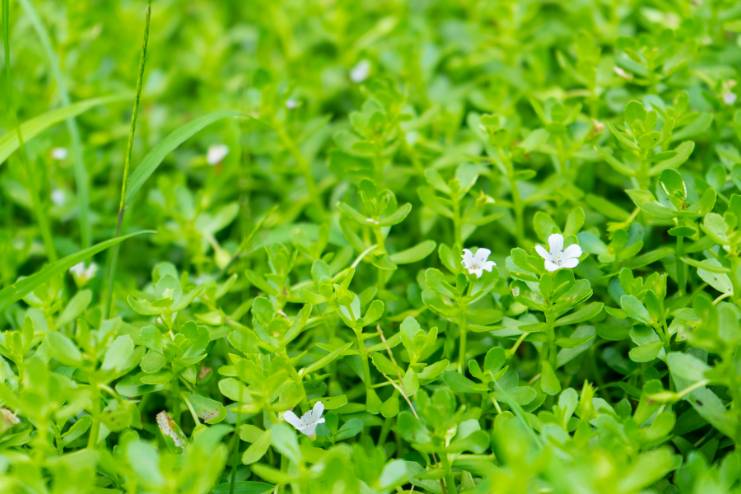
(276, 196)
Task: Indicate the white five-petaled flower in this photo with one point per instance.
(729, 97)
(360, 72)
(308, 422)
(58, 197)
(82, 273)
(477, 263)
(59, 154)
(216, 154)
(557, 257)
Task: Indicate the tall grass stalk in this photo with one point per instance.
(113, 255)
(35, 188)
(82, 179)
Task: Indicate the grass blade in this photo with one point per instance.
(22, 287)
(9, 143)
(112, 260)
(82, 182)
(154, 158)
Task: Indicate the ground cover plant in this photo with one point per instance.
(329, 246)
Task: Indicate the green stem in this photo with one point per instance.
(94, 412)
(449, 478)
(681, 267)
(457, 227)
(516, 202)
(463, 328)
(113, 259)
(311, 185)
(363, 352)
(551, 335)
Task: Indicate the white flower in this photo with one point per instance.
(58, 197)
(729, 97)
(292, 103)
(216, 154)
(360, 72)
(82, 273)
(477, 263)
(558, 257)
(308, 422)
(59, 154)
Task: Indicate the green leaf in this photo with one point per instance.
(495, 359)
(149, 164)
(23, 286)
(681, 154)
(63, 349)
(258, 448)
(394, 474)
(397, 216)
(635, 309)
(646, 352)
(325, 360)
(686, 366)
(648, 468)
(414, 254)
(719, 281)
(9, 142)
(118, 355)
(544, 225)
(673, 184)
(574, 222)
(75, 307)
(607, 208)
(144, 460)
(582, 314)
(351, 428)
(208, 410)
(549, 382)
(284, 440)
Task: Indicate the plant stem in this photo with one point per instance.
(463, 328)
(449, 478)
(94, 412)
(363, 352)
(516, 202)
(113, 258)
(457, 233)
(304, 165)
(681, 267)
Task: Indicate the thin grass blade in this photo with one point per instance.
(9, 143)
(22, 287)
(156, 156)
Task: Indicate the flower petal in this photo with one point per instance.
(542, 252)
(467, 257)
(488, 266)
(573, 250)
(310, 429)
(571, 262)
(317, 411)
(482, 254)
(293, 419)
(555, 243)
(549, 266)
(478, 272)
